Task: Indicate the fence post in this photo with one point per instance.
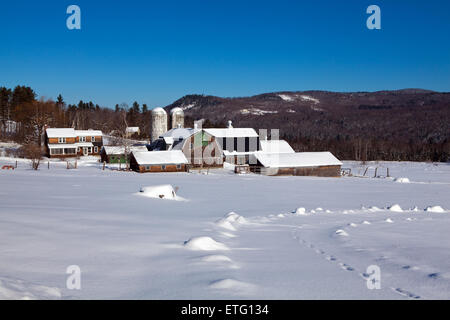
(376, 169)
(104, 164)
(48, 165)
(387, 172)
(16, 164)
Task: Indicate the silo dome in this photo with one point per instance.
(177, 118)
(159, 123)
(159, 110)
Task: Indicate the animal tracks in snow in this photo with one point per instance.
(406, 293)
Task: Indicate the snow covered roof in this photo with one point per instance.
(299, 159)
(232, 132)
(179, 133)
(88, 133)
(132, 129)
(84, 144)
(61, 133)
(160, 157)
(276, 146)
(71, 133)
(116, 150)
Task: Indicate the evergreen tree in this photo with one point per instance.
(136, 108)
(20, 96)
(5, 98)
(60, 101)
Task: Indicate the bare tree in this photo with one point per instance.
(34, 153)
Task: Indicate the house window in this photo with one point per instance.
(95, 149)
(89, 149)
(93, 139)
(56, 151)
(61, 140)
(163, 167)
(178, 166)
(148, 167)
(82, 139)
(78, 149)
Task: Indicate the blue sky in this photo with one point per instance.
(157, 51)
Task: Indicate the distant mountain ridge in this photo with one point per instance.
(408, 124)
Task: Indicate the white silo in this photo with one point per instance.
(177, 118)
(159, 123)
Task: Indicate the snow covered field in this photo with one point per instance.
(130, 246)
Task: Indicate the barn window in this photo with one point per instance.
(95, 149)
(93, 139)
(61, 140)
(163, 167)
(178, 166)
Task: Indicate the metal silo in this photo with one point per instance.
(177, 118)
(159, 123)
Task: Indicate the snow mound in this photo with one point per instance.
(224, 223)
(341, 233)
(300, 211)
(389, 220)
(402, 180)
(165, 191)
(204, 244)
(216, 258)
(231, 284)
(438, 209)
(395, 208)
(366, 222)
(230, 221)
(12, 289)
(354, 225)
